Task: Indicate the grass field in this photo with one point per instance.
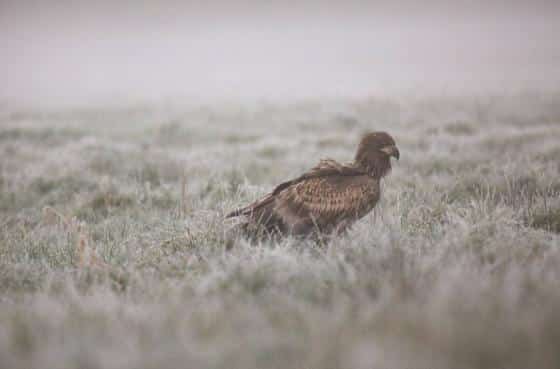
(114, 252)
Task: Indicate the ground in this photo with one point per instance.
(114, 251)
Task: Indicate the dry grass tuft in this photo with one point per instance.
(549, 220)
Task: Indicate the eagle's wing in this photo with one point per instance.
(326, 167)
(324, 197)
(325, 203)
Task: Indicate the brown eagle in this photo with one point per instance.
(327, 199)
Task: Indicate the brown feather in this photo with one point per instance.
(326, 199)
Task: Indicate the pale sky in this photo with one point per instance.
(87, 53)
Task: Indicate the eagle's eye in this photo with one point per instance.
(391, 150)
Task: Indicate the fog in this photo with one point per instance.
(79, 53)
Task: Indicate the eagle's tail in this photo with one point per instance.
(252, 208)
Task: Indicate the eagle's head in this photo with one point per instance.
(374, 153)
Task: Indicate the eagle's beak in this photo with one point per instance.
(392, 151)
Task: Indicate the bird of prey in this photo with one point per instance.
(327, 199)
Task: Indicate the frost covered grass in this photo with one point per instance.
(114, 252)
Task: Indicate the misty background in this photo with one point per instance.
(70, 53)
